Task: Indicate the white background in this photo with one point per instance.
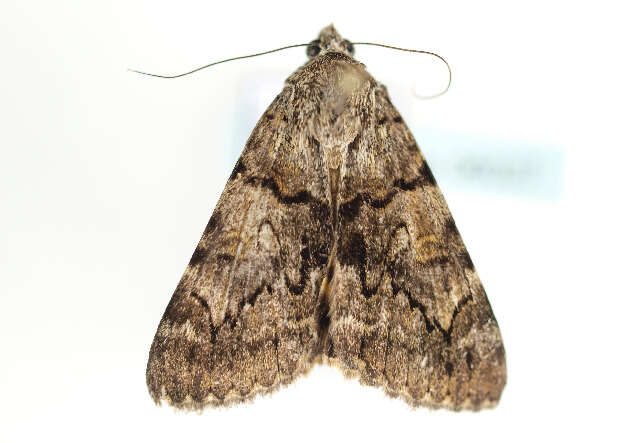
(107, 179)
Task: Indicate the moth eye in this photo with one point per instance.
(349, 46)
(313, 48)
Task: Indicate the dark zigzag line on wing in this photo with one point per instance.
(250, 300)
(305, 259)
(301, 197)
(353, 253)
(213, 330)
(295, 288)
(305, 197)
(349, 210)
(413, 303)
(307, 262)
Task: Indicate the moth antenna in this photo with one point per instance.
(218, 62)
(419, 52)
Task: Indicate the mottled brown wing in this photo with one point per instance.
(241, 320)
(408, 312)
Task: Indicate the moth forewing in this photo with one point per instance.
(331, 242)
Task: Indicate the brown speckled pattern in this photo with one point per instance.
(331, 242)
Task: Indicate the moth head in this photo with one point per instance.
(330, 40)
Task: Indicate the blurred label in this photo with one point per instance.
(493, 165)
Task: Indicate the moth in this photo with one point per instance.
(331, 242)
